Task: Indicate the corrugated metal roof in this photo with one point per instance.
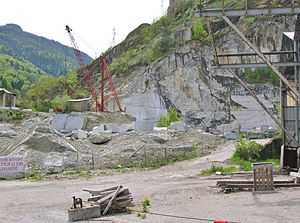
(6, 91)
(79, 100)
(290, 35)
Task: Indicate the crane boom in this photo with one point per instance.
(87, 77)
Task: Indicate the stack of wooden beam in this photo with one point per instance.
(228, 186)
(112, 200)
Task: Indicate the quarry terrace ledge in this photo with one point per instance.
(248, 12)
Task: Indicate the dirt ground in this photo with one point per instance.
(174, 189)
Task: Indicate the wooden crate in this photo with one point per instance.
(263, 177)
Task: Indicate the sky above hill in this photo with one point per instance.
(92, 21)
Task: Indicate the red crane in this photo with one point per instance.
(87, 78)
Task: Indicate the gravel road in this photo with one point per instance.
(174, 189)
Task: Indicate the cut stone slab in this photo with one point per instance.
(75, 122)
(68, 123)
(230, 135)
(88, 212)
(100, 138)
(8, 133)
(178, 126)
(59, 122)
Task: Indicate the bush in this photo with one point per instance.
(222, 169)
(198, 31)
(261, 75)
(248, 20)
(166, 120)
(248, 150)
(59, 103)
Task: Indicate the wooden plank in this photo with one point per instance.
(111, 200)
(250, 186)
(99, 192)
(224, 183)
(101, 199)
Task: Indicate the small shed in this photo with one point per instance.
(79, 105)
(7, 98)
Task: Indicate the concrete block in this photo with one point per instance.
(68, 123)
(85, 213)
(230, 135)
(144, 125)
(75, 122)
(59, 122)
(178, 126)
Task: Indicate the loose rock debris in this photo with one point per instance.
(102, 202)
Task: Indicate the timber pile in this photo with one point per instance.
(112, 200)
(228, 186)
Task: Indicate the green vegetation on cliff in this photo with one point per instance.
(261, 76)
(151, 42)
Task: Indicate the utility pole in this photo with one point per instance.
(162, 7)
(114, 37)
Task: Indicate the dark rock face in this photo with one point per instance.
(181, 80)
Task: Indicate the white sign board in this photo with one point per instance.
(11, 167)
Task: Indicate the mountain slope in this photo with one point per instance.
(48, 55)
(168, 64)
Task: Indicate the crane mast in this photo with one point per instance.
(87, 78)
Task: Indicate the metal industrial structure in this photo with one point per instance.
(287, 68)
(87, 79)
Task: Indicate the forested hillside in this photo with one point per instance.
(48, 55)
(16, 74)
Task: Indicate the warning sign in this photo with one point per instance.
(11, 167)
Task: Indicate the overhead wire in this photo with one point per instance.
(182, 217)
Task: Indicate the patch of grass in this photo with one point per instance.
(34, 175)
(7, 115)
(166, 120)
(78, 173)
(198, 30)
(222, 169)
(248, 152)
(141, 215)
(248, 20)
(146, 204)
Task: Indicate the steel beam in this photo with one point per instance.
(274, 53)
(254, 65)
(248, 12)
(263, 57)
(253, 94)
